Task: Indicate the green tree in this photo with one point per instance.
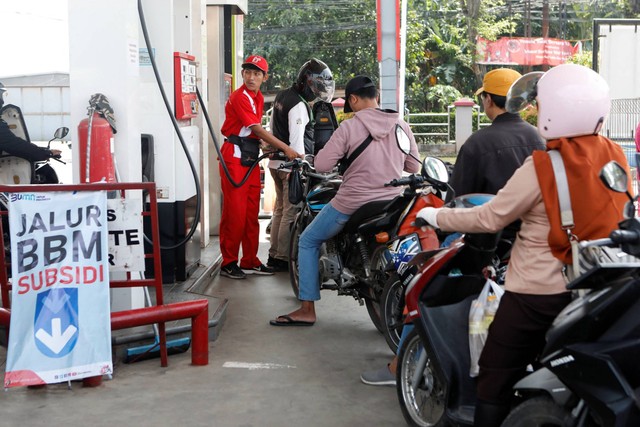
(288, 33)
(441, 38)
(441, 49)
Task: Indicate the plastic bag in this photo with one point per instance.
(481, 315)
(296, 192)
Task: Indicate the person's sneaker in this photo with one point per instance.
(233, 271)
(272, 262)
(262, 270)
(380, 376)
(278, 265)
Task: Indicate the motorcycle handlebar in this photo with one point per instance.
(624, 236)
(306, 165)
(293, 164)
(419, 222)
(407, 180)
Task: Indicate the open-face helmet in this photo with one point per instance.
(315, 81)
(572, 100)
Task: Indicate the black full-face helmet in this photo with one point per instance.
(315, 81)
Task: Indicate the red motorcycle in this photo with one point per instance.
(433, 382)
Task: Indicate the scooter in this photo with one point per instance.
(16, 170)
(590, 372)
(432, 378)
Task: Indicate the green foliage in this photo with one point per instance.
(530, 115)
(289, 32)
(583, 58)
(441, 34)
(442, 96)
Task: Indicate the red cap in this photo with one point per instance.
(256, 61)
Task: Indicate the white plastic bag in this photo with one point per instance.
(480, 317)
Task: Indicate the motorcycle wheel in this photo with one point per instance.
(424, 405)
(299, 224)
(378, 265)
(45, 174)
(537, 412)
(391, 315)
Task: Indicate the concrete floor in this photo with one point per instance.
(258, 375)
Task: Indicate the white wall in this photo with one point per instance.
(619, 60)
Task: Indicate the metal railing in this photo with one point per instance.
(423, 125)
(431, 126)
(621, 126)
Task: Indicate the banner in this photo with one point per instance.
(60, 323)
(524, 51)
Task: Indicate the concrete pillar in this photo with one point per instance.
(464, 120)
(389, 52)
(103, 58)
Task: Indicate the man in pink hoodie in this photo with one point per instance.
(363, 182)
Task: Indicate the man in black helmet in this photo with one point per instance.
(15, 146)
(292, 123)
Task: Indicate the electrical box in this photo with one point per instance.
(186, 100)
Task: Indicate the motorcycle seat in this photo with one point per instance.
(364, 213)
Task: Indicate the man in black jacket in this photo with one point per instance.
(489, 157)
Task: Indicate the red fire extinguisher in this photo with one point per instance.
(96, 163)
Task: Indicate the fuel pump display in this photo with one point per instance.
(185, 86)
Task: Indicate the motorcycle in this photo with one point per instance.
(17, 170)
(432, 377)
(407, 240)
(587, 374)
(354, 262)
(590, 374)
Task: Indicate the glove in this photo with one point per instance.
(429, 215)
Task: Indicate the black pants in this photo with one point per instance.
(516, 337)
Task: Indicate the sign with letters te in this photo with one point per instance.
(60, 323)
(126, 238)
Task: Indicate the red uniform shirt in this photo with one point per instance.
(242, 110)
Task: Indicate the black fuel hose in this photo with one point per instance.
(215, 143)
(196, 218)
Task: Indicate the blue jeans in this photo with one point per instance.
(327, 224)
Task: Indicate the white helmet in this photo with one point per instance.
(572, 100)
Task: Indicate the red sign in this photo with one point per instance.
(524, 51)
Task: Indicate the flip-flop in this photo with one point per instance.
(289, 322)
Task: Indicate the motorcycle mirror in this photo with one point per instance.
(402, 139)
(523, 92)
(614, 177)
(61, 133)
(434, 168)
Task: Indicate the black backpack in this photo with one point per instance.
(325, 124)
